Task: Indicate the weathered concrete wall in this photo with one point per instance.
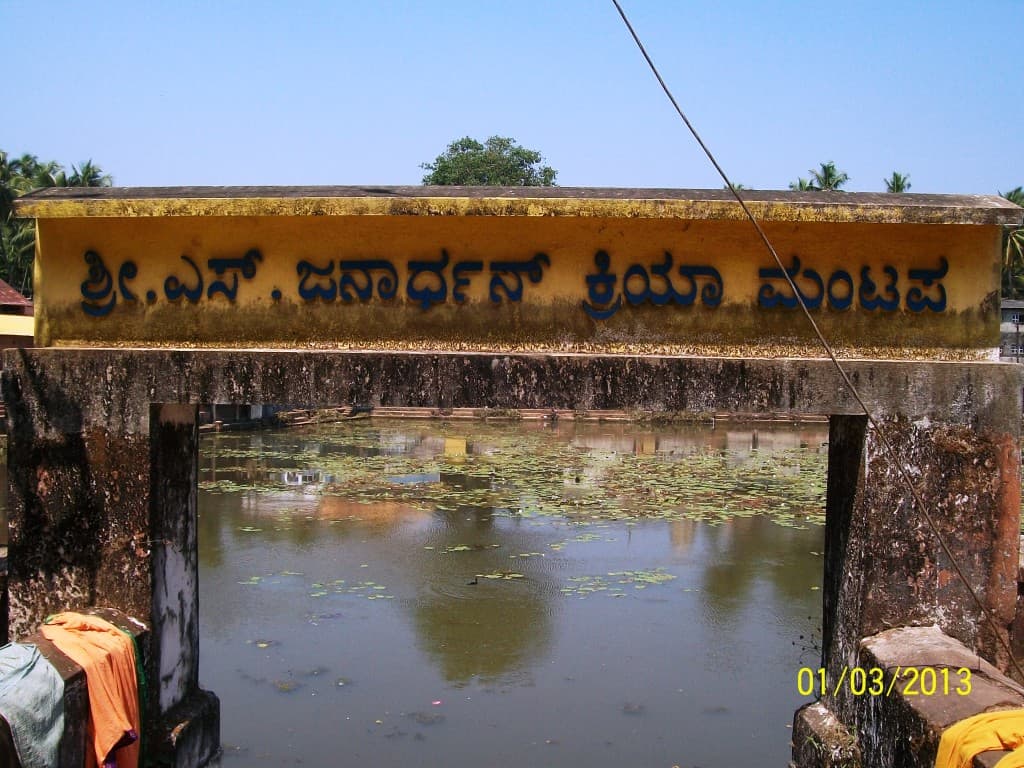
(78, 511)
(885, 568)
(884, 565)
(118, 385)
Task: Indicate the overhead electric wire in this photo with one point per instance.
(886, 445)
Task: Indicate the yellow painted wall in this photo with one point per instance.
(16, 325)
(551, 314)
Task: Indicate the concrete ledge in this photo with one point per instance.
(904, 728)
(767, 205)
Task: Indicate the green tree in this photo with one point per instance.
(898, 182)
(17, 238)
(1013, 252)
(499, 162)
(88, 175)
(18, 176)
(826, 179)
(1015, 196)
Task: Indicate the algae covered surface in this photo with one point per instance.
(583, 473)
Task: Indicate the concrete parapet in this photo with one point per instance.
(884, 564)
(116, 386)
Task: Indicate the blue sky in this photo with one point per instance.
(363, 93)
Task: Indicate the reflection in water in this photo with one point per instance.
(472, 626)
(397, 593)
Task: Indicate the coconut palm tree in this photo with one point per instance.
(88, 174)
(898, 182)
(828, 178)
(1015, 196)
(1013, 252)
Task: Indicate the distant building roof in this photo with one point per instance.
(1012, 304)
(11, 298)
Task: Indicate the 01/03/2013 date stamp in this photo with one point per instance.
(875, 681)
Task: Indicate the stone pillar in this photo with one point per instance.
(187, 719)
(174, 445)
(884, 567)
(845, 475)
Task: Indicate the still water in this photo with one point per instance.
(410, 593)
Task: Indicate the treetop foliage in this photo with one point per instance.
(826, 178)
(498, 162)
(898, 182)
(19, 176)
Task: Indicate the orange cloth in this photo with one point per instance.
(962, 741)
(108, 657)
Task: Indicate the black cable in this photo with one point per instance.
(886, 445)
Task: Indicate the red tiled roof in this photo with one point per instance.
(11, 298)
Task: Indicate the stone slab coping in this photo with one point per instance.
(929, 647)
(604, 202)
(901, 729)
(986, 394)
(923, 647)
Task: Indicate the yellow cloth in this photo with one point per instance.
(962, 741)
(108, 657)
